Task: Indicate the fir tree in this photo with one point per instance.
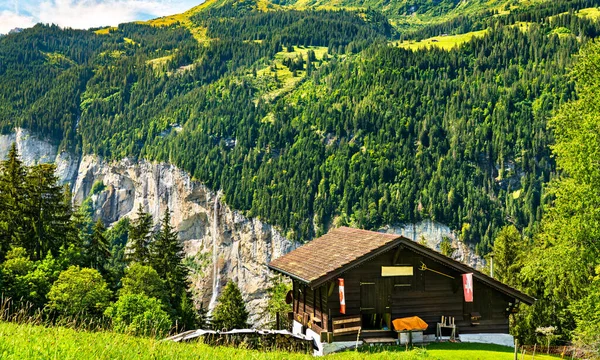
(166, 254)
(12, 185)
(139, 238)
(230, 313)
(98, 249)
(47, 215)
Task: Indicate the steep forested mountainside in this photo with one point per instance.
(308, 117)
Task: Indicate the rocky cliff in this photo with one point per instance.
(243, 246)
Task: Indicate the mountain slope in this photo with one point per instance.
(310, 118)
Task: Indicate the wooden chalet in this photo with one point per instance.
(387, 277)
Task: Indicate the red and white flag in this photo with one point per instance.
(342, 296)
(468, 286)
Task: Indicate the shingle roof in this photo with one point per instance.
(343, 248)
(330, 252)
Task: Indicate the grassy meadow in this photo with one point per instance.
(38, 342)
(446, 42)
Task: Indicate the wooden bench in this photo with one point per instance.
(347, 325)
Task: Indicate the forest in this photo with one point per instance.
(368, 135)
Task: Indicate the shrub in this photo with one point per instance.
(97, 187)
(143, 279)
(79, 291)
(138, 314)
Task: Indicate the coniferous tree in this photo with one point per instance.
(47, 215)
(166, 257)
(12, 186)
(230, 313)
(139, 238)
(98, 249)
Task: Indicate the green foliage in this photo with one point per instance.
(166, 257)
(559, 268)
(446, 247)
(138, 314)
(335, 29)
(14, 269)
(97, 250)
(97, 187)
(79, 292)
(139, 238)
(587, 317)
(34, 213)
(276, 302)
(230, 312)
(117, 237)
(144, 280)
(374, 150)
(508, 251)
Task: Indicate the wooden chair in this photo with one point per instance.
(447, 323)
(346, 325)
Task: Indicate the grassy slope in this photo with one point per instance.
(285, 76)
(36, 342)
(444, 42)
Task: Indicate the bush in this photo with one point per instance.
(138, 314)
(79, 292)
(26, 281)
(97, 187)
(143, 279)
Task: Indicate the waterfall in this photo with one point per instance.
(215, 286)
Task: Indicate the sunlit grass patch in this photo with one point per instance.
(159, 61)
(446, 42)
(592, 13)
(285, 78)
(105, 31)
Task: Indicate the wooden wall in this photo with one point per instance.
(311, 302)
(425, 294)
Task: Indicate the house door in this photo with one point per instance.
(376, 296)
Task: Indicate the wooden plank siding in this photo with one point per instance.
(307, 303)
(425, 294)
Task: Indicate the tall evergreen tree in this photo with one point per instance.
(166, 253)
(98, 249)
(139, 238)
(508, 250)
(230, 313)
(12, 186)
(46, 213)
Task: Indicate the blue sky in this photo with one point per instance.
(83, 14)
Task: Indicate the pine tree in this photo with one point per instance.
(139, 238)
(166, 254)
(47, 214)
(12, 185)
(98, 249)
(230, 313)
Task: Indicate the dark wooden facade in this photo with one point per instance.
(425, 294)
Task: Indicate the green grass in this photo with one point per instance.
(38, 342)
(592, 13)
(444, 42)
(286, 79)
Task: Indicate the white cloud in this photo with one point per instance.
(83, 14)
(10, 20)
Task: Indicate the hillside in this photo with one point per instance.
(282, 110)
